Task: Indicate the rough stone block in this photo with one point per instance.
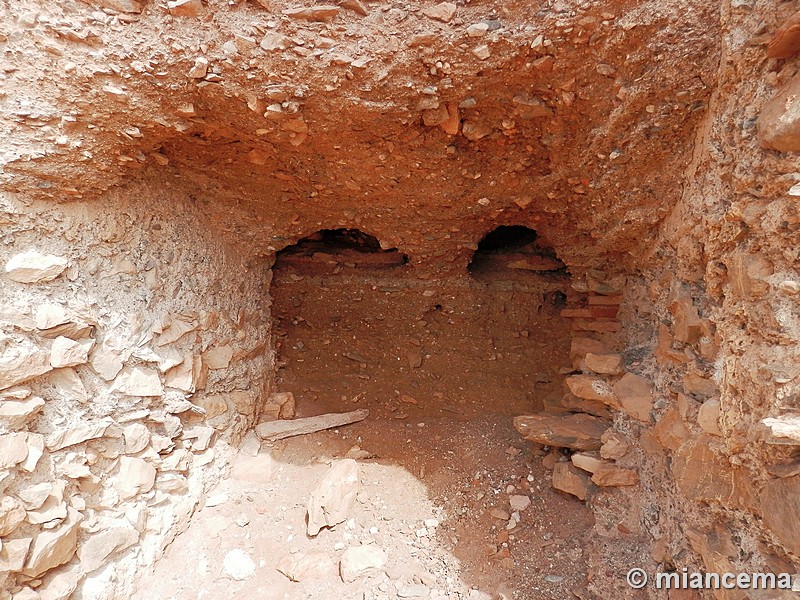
(571, 480)
(635, 395)
(779, 121)
(579, 431)
(591, 387)
(359, 561)
(34, 267)
(333, 499)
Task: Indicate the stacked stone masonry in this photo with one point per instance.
(127, 370)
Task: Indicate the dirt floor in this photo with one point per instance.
(441, 367)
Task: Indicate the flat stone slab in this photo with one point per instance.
(579, 431)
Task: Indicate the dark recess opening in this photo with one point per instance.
(518, 248)
(350, 247)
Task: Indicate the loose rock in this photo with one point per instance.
(359, 561)
(332, 501)
(301, 567)
(238, 565)
(571, 480)
(444, 12)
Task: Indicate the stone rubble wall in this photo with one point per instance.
(683, 465)
(725, 318)
(711, 326)
(134, 352)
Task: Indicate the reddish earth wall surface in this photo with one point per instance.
(157, 156)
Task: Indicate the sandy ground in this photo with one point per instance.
(442, 369)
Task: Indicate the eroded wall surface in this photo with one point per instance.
(159, 158)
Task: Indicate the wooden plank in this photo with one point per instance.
(277, 430)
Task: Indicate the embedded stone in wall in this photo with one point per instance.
(44, 502)
(182, 376)
(218, 357)
(17, 316)
(135, 476)
(606, 364)
(200, 437)
(687, 326)
(588, 461)
(783, 430)
(780, 505)
(615, 445)
(664, 351)
(581, 346)
(579, 431)
(136, 436)
(13, 553)
(176, 330)
(701, 472)
(716, 548)
(96, 549)
(748, 274)
(49, 315)
(786, 41)
(590, 387)
(63, 438)
(574, 404)
(138, 381)
(13, 449)
(670, 431)
(68, 385)
(106, 361)
(35, 443)
(214, 404)
(779, 121)
(708, 417)
(699, 386)
(16, 413)
(59, 586)
(635, 395)
(332, 500)
(12, 514)
(34, 267)
(20, 361)
(66, 352)
(280, 405)
(168, 358)
(54, 547)
(244, 400)
(611, 475)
